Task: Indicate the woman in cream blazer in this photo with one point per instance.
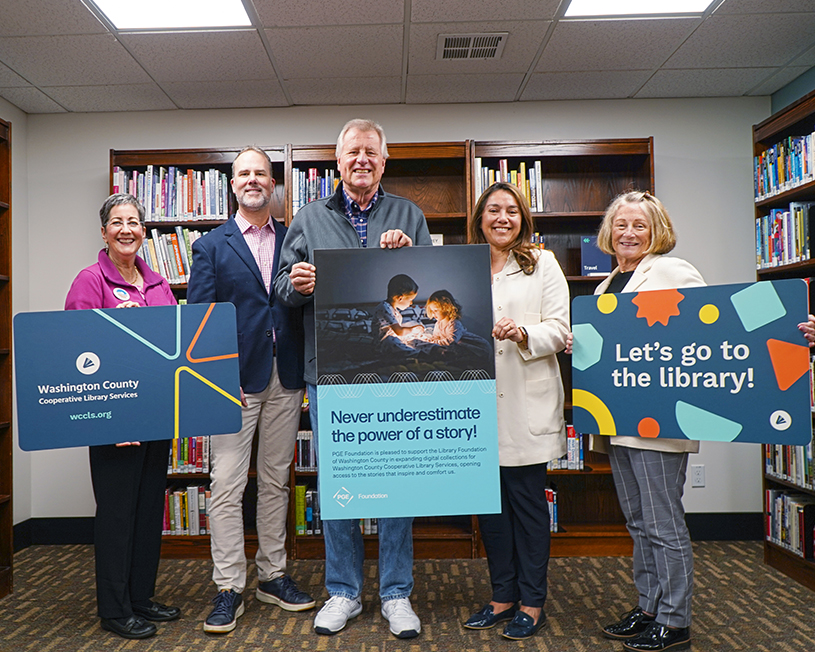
(649, 474)
(531, 311)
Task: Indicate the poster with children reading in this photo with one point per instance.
(406, 405)
(722, 363)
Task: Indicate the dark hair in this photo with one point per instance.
(401, 284)
(448, 306)
(119, 199)
(522, 247)
(256, 149)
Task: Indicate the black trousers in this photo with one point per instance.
(128, 483)
(517, 540)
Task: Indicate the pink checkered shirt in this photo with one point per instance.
(261, 244)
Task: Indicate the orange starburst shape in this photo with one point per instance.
(658, 306)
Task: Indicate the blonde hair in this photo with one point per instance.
(449, 308)
(663, 237)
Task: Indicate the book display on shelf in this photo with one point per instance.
(186, 511)
(784, 192)
(189, 456)
(311, 184)
(6, 431)
(174, 195)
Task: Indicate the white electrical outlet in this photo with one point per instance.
(697, 475)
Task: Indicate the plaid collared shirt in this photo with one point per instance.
(261, 243)
(359, 217)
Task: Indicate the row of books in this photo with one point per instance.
(307, 521)
(529, 181)
(170, 254)
(551, 499)
(189, 455)
(782, 236)
(790, 521)
(173, 195)
(186, 511)
(308, 185)
(784, 166)
(305, 455)
(791, 463)
(573, 459)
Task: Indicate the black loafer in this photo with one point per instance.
(159, 613)
(523, 627)
(631, 624)
(132, 627)
(486, 619)
(659, 637)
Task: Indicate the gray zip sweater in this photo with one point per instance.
(322, 224)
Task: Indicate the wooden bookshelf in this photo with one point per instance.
(798, 119)
(6, 432)
(581, 178)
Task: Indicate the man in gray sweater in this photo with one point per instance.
(358, 213)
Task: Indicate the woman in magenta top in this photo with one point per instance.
(128, 478)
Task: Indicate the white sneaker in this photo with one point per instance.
(335, 613)
(403, 621)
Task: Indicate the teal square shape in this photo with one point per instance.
(758, 305)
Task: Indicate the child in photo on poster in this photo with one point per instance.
(449, 333)
(395, 335)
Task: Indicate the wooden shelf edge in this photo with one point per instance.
(4, 498)
(175, 223)
(779, 270)
(786, 195)
(788, 483)
(799, 569)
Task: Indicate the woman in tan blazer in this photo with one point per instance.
(531, 311)
(649, 474)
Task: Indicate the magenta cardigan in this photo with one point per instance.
(102, 286)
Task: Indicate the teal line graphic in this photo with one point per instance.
(150, 345)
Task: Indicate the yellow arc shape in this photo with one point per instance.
(203, 380)
(596, 408)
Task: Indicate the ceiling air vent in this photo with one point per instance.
(470, 46)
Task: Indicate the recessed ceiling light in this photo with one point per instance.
(613, 8)
(174, 14)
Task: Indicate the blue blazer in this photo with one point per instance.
(223, 269)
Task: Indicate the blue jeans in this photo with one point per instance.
(345, 552)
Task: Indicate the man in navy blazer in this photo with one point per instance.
(236, 263)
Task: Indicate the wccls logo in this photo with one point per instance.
(343, 497)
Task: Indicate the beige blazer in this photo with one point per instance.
(529, 391)
(655, 272)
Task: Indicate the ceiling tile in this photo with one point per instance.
(613, 44)
(201, 56)
(225, 94)
(433, 11)
(806, 59)
(519, 52)
(10, 78)
(724, 82)
(274, 13)
(444, 89)
(584, 85)
(746, 41)
(319, 52)
(343, 90)
(71, 60)
(128, 97)
(780, 79)
(31, 100)
(764, 6)
(47, 18)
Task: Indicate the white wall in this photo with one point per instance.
(703, 167)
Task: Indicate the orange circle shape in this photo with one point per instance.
(648, 427)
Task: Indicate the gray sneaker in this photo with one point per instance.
(335, 614)
(403, 621)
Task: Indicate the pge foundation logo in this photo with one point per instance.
(343, 497)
